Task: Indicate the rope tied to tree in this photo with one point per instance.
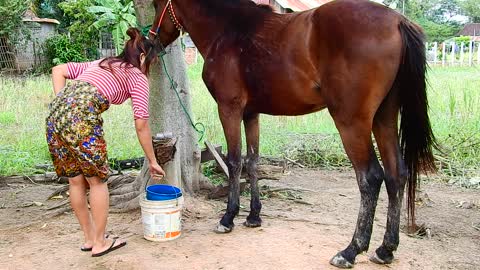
(199, 127)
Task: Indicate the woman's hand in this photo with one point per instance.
(156, 170)
(145, 138)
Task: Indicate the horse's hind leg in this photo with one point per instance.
(252, 134)
(355, 132)
(386, 132)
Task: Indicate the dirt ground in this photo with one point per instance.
(301, 234)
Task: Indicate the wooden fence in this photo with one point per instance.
(453, 54)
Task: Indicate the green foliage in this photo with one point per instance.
(460, 39)
(51, 9)
(115, 16)
(11, 12)
(80, 27)
(438, 32)
(60, 49)
(471, 9)
(433, 15)
(7, 118)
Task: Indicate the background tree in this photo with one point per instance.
(81, 27)
(116, 16)
(471, 9)
(11, 12)
(166, 115)
(435, 16)
(51, 9)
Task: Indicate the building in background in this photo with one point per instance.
(288, 6)
(28, 53)
(471, 30)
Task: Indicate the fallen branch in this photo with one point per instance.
(57, 212)
(295, 162)
(63, 203)
(26, 176)
(302, 202)
(58, 191)
(297, 189)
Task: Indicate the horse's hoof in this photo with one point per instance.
(376, 259)
(340, 262)
(223, 229)
(252, 224)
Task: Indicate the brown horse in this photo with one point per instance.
(362, 61)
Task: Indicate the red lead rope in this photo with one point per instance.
(161, 19)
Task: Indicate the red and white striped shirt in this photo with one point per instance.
(127, 82)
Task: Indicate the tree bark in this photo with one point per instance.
(166, 115)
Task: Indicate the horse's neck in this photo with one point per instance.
(202, 30)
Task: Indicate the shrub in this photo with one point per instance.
(60, 49)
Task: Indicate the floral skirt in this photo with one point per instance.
(74, 131)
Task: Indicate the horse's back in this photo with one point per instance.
(295, 62)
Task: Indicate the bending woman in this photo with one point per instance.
(75, 134)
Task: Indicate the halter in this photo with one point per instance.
(173, 18)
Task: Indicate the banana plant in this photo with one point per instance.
(115, 16)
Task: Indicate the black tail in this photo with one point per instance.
(416, 136)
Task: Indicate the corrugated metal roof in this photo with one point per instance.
(263, 2)
(471, 29)
(30, 16)
(301, 5)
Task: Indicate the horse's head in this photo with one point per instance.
(166, 26)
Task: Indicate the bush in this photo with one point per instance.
(80, 26)
(60, 49)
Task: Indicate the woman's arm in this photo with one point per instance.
(59, 77)
(145, 137)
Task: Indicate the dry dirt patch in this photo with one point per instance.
(302, 229)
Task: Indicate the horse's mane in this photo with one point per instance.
(241, 17)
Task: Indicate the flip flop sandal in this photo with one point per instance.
(90, 248)
(110, 249)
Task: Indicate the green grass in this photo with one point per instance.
(454, 99)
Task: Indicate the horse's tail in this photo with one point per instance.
(416, 136)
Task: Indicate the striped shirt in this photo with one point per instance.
(126, 82)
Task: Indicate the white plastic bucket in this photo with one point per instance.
(161, 219)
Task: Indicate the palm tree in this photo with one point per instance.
(116, 16)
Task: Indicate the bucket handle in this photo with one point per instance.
(174, 190)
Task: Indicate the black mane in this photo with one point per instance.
(241, 17)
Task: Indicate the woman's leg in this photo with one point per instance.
(78, 200)
(99, 204)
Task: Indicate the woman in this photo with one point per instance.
(75, 134)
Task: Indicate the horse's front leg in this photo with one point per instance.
(252, 134)
(231, 117)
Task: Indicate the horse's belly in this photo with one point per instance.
(290, 104)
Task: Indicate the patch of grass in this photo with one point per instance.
(7, 118)
(209, 170)
(454, 97)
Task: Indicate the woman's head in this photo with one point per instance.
(138, 52)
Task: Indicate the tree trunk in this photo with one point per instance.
(166, 116)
